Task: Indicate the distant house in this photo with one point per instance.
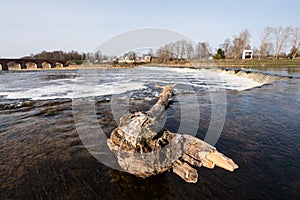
(126, 59)
(141, 59)
(144, 59)
(247, 54)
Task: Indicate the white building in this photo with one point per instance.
(247, 54)
(126, 59)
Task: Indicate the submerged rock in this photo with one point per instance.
(144, 149)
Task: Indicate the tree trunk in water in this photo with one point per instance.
(144, 149)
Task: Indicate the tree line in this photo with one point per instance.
(58, 55)
(69, 56)
(183, 49)
(273, 41)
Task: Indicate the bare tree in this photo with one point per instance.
(264, 42)
(171, 50)
(270, 50)
(281, 36)
(177, 49)
(255, 52)
(98, 56)
(244, 40)
(295, 42)
(90, 56)
(202, 50)
(163, 55)
(227, 47)
(239, 43)
(236, 47)
(183, 45)
(189, 50)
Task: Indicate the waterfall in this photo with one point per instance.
(256, 76)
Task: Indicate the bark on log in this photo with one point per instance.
(144, 150)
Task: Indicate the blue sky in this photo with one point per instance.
(32, 26)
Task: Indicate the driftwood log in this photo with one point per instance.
(144, 149)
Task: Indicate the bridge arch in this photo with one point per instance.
(59, 64)
(31, 63)
(14, 64)
(46, 64)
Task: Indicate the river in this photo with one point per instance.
(43, 157)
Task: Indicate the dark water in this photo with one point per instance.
(42, 157)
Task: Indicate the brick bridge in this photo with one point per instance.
(38, 62)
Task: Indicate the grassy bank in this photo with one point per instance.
(257, 63)
(232, 63)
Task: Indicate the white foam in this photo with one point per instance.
(238, 83)
(118, 83)
(211, 78)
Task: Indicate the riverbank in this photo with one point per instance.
(233, 63)
(74, 67)
(222, 63)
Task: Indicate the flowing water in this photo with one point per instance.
(42, 156)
